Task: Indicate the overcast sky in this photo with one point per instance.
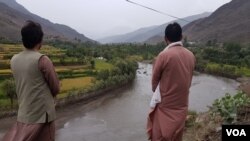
(102, 18)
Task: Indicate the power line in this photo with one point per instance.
(157, 11)
(175, 17)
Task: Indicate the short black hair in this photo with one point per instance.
(173, 32)
(32, 34)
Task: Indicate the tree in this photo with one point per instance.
(92, 62)
(81, 60)
(103, 75)
(9, 89)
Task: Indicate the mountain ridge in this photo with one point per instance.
(14, 15)
(145, 33)
(229, 23)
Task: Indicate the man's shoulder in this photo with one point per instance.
(38, 53)
(45, 58)
(45, 61)
(189, 54)
(163, 53)
(167, 52)
(15, 56)
(172, 52)
(188, 51)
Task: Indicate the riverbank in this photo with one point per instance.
(73, 99)
(244, 81)
(205, 127)
(230, 109)
(244, 84)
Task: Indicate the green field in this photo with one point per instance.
(102, 65)
(73, 75)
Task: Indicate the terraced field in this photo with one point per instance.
(73, 75)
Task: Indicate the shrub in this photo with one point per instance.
(227, 106)
(9, 89)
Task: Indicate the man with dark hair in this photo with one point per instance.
(36, 86)
(173, 33)
(172, 71)
(32, 34)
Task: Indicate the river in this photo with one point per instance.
(121, 114)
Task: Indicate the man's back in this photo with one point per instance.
(174, 69)
(34, 96)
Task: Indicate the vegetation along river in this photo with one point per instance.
(121, 115)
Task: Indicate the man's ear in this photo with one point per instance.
(166, 40)
(40, 45)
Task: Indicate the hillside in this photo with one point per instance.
(135, 35)
(229, 23)
(147, 34)
(13, 16)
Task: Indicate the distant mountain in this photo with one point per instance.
(229, 23)
(147, 34)
(129, 37)
(155, 39)
(14, 15)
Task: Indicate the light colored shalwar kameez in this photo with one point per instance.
(173, 71)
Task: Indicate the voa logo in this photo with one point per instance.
(236, 132)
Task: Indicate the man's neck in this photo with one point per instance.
(36, 48)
